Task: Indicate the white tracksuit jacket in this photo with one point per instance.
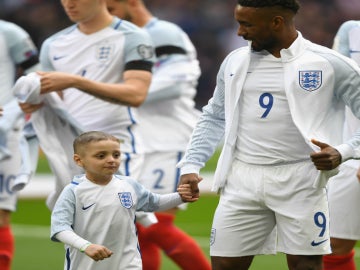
(317, 106)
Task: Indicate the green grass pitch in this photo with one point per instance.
(35, 251)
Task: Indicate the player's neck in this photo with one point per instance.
(142, 18)
(95, 24)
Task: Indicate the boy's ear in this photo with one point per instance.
(77, 160)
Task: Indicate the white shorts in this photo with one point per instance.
(159, 173)
(131, 164)
(344, 200)
(9, 169)
(259, 202)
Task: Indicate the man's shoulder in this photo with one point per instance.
(162, 25)
(58, 35)
(237, 54)
(347, 26)
(11, 30)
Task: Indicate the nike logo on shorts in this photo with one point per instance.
(314, 244)
(87, 207)
(58, 57)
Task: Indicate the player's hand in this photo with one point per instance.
(184, 191)
(98, 252)
(30, 108)
(192, 179)
(327, 158)
(1, 111)
(56, 81)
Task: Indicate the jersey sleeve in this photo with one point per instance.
(139, 50)
(62, 216)
(44, 56)
(21, 47)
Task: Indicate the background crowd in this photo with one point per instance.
(209, 23)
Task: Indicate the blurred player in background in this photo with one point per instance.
(344, 188)
(279, 105)
(167, 119)
(101, 66)
(95, 213)
(18, 55)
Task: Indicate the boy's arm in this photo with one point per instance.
(94, 251)
(168, 201)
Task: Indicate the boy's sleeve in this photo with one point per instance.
(62, 216)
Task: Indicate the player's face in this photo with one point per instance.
(100, 160)
(81, 10)
(119, 9)
(255, 25)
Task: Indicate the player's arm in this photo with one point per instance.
(132, 91)
(172, 76)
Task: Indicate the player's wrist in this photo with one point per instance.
(84, 247)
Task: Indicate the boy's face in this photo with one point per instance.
(100, 160)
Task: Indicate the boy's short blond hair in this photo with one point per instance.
(92, 136)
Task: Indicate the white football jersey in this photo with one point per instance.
(168, 116)
(266, 132)
(102, 56)
(104, 215)
(16, 48)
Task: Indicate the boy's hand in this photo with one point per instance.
(98, 252)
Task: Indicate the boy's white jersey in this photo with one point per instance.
(103, 215)
(102, 56)
(168, 116)
(16, 47)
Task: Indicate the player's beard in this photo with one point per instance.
(259, 46)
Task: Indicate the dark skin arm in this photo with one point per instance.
(327, 158)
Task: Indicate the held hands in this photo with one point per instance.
(56, 81)
(327, 158)
(98, 252)
(30, 108)
(188, 187)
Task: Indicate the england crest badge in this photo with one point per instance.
(310, 80)
(104, 52)
(125, 199)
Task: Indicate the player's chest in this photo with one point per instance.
(81, 52)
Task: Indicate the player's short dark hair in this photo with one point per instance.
(293, 5)
(92, 136)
